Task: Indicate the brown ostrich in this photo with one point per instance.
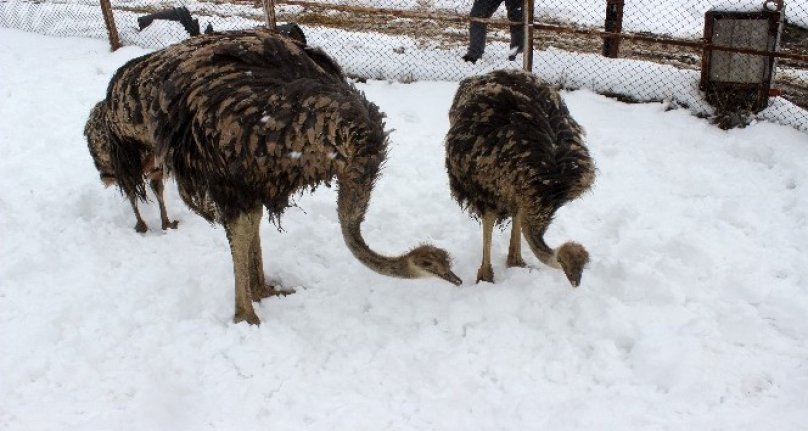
(131, 183)
(514, 151)
(245, 121)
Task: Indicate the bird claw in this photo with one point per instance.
(268, 290)
(516, 262)
(249, 317)
(485, 273)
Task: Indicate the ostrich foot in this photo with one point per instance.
(141, 227)
(516, 262)
(267, 290)
(485, 273)
(170, 225)
(248, 316)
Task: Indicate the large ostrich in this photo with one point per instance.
(245, 120)
(513, 150)
(129, 177)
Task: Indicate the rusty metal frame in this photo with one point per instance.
(613, 24)
(675, 42)
(527, 46)
(109, 22)
(762, 88)
(269, 14)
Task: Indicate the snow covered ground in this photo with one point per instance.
(692, 314)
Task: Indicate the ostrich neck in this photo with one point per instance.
(535, 239)
(352, 203)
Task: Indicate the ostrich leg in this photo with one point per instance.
(157, 188)
(240, 233)
(140, 226)
(486, 273)
(515, 247)
(259, 289)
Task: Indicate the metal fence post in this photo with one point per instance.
(269, 14)
(527, 17)
(613, 24)
(109, 21)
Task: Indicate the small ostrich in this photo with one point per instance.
(514, 151)
(246, 120)
(131, 183)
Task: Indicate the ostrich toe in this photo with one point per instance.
(485, 273)
(516, 262)
(267, 290)
(247, 316)
(141, 227)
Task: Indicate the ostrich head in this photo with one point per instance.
(572, 257)
(430, 261)
(102, 163)
(99, 145)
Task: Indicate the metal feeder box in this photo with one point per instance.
(734, 81)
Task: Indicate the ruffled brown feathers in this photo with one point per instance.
(513, 143)
(250, 118)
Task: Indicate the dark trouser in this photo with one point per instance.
(486, 8)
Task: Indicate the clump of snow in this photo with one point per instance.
(691, 314)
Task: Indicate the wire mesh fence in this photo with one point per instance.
(408, 40)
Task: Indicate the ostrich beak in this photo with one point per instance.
(575, 279)
(451, 278)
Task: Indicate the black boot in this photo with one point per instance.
(514, 51)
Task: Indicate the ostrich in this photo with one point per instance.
(246, 120)
(129, 181)
(514, 151)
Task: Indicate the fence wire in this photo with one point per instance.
(409, 40)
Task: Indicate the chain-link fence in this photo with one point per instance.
(408, 40)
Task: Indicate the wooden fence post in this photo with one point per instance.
(109, 21)
(613, 24)
(269, 14)
(527, 17)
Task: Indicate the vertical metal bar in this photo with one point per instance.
(707, 53)
(269, 14)
(527, 17)
(613, 24)
(109, 22)
(775, 31)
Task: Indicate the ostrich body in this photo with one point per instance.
(137, 167)
(514, 151)
(244, 121)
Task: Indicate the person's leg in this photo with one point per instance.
(515, 13)
(477, 30)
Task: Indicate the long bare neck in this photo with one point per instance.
(534, 234)
(352, 204)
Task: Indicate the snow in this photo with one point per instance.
(690, 316)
